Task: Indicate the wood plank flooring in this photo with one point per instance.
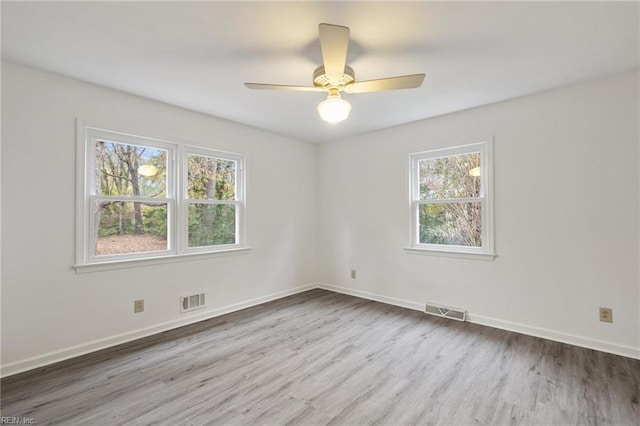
(321, 358)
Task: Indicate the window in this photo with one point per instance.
(451, 208)
(141, 198)
(213, 199)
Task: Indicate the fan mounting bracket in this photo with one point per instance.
(320, 78)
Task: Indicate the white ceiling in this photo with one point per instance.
(197, 55)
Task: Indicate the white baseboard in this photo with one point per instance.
(558, 336)
(572, 339)
(372, 296)
(74, 351)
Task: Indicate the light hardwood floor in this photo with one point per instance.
(325, 358)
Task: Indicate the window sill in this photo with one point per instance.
(161, 260)
(450, 253)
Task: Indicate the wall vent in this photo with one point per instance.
(190, 303)
(457, 314)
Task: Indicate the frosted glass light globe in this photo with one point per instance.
(334, 109)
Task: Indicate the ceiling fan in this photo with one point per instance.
(335, 75)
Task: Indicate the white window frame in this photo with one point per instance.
(238, 202)
(177, 205)
(485, 149)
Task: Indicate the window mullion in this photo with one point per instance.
(182, 209)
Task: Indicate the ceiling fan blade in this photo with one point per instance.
(391, 83)
(334, 43)
(284, 87)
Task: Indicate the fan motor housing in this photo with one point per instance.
(320, 78)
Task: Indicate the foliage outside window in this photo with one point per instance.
(212, 203)
(450, 191)
(137, 204)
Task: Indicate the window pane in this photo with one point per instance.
(457, 224)
(211, 178)
(212, 224)
(123, 169)
(130, 227)
(450, 177)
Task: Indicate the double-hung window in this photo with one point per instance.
(140, 198)
(451, 206)
(213, 199)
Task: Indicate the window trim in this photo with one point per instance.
(486, 252)
(238, 202)
(85, 259)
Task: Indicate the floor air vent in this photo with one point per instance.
(189, 303)
(445, 311)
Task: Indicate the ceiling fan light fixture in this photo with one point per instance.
(334, 109)
(335, 75)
